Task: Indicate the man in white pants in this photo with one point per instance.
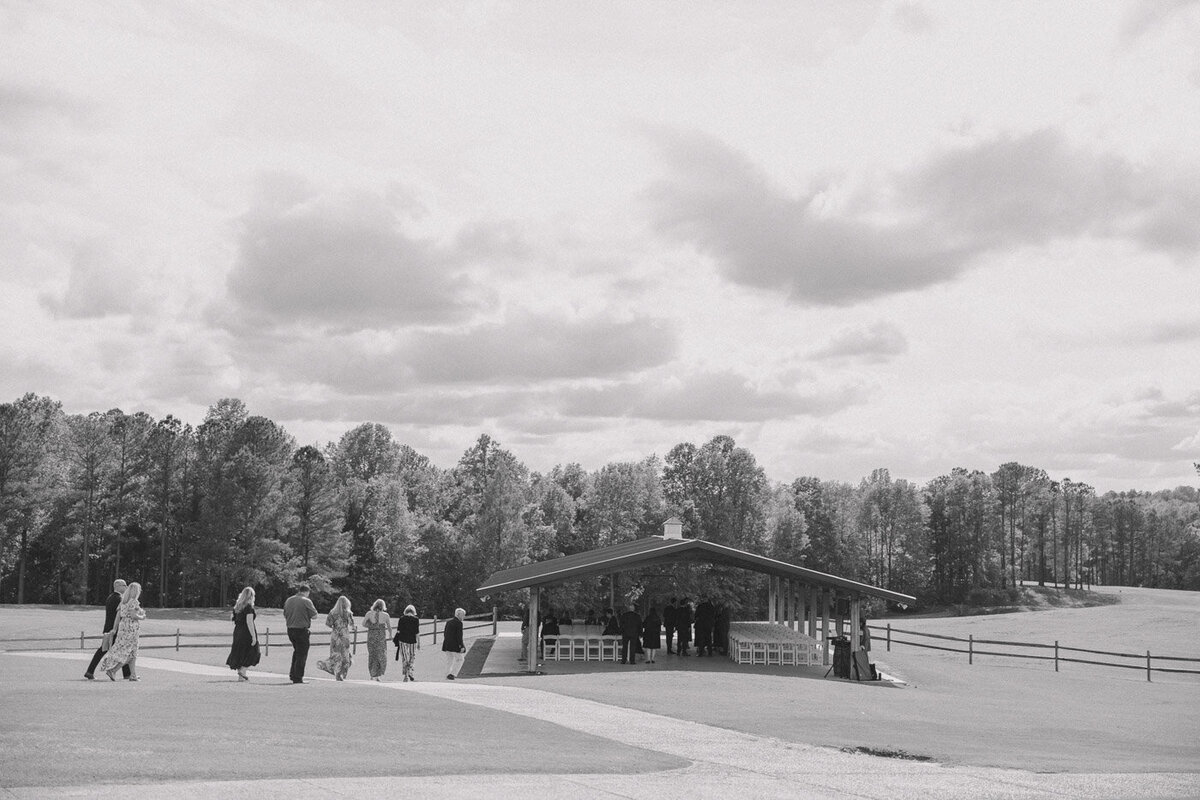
(452, 644)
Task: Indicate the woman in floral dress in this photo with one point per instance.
(129, 623)
(340, 622)
(244, 653)
(379, 630)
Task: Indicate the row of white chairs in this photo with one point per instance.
(581, 648)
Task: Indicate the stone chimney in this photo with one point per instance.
(673, 529)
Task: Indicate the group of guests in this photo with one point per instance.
(704, 622)
(299, 611)
(123, 615)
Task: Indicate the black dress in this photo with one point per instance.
(243, 653)
(652, 632)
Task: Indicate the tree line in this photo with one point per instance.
(194, 513)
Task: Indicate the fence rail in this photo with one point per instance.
(488, 619)
(1145, 660)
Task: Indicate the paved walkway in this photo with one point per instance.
(724, 763)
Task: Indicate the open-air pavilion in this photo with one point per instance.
(800, 599)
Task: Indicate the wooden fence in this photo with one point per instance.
(185, 639)
(1144, 661)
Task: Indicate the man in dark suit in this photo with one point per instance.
(452, 643)
(706, 617)
(668, 619)
(631, 633)
(110, 627)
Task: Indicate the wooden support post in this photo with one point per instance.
(772, 582)
(812, 612)
(825, 626)
(531, 655)
(495, 620)
(855, 616)
(789, 607)
(796, 588)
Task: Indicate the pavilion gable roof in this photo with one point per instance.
(657, 550)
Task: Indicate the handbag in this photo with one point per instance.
(106, 644)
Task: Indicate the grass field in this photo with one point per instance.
(57, 729)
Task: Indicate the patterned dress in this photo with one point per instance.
(378, 629)
(125, 648)
(338, 664)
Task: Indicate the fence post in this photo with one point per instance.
(495, 620)
(435, 630)
(970, 648)
(354, 643)
(177, 640)
(889, 637)
(81, 640)
(1056, 655)
(267, 644)
(1147, 666)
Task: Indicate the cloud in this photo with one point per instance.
(875, 344)
(1027, 190)
(708, 396)
(540, 348)
(100, 285)
(722, 204)
(925, 226)
(344, 262)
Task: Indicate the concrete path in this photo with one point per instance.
(725, 763)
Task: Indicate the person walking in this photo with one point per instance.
(379, 630)
(110, 633)
(128, 623)
(408, 640)
(631, 632)
(651, 634)
(668, 620)
(453, 645)
(340, 621)
(244, 653)
(298, 614)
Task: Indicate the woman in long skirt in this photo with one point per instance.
(340, 622)
(124, 649)
(244, 653)
(379, 630)
(408, 640)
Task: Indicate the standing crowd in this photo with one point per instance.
(706, 623)
(123, 614)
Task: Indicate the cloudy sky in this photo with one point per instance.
(912, 235)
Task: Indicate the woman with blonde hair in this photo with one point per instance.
(408, 640)
(129, 623)
(379, 630)
(340, 622)
(244, 653)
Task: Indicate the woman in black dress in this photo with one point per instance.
(244, 653)
(651, 634)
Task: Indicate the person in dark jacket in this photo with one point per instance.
(611, 626)
(631, 633)
(668, 620)
(721, 630)
(408, 640)
(683, 623)
(651, 634)
(706, 617)
(110, 627)
(452, 643)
